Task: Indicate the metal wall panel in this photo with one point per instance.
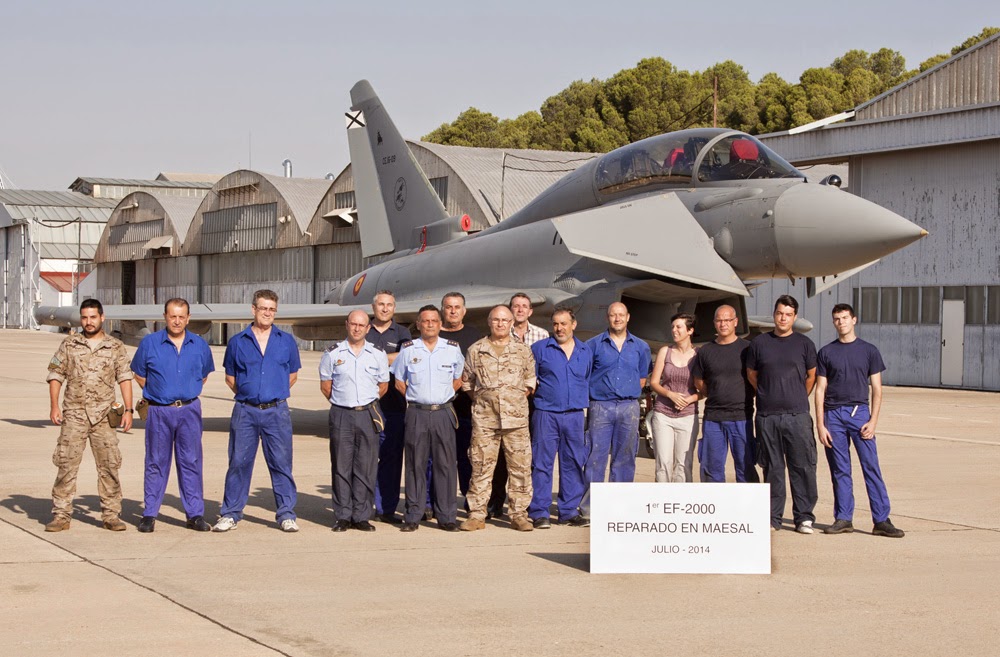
(242, 228)
(19, 266)
(126, 241)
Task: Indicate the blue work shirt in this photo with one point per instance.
(262, 378)
(615, 375)
(429, 375)
(354, 379)
(172, 375)
(563, 383)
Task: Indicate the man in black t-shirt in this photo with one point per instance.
(453, 328)
(719, 371)
(781, 366)
(387, 335)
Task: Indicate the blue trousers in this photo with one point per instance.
(561, 433)
(271, 428)
(718, 439)
(613, 432)
(177, 430)
(844, 430)
(390, 463)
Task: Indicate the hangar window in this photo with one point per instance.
(344, 200)
(242, 228)
(993, 305)
(930, 305)
(975, 305)
(909, 305)
(440, 186)
(742, 157)
(889, 305)
(869, 304)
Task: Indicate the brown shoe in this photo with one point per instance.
(58, 524)
(472, 524)
(115, 524)
(521, 524)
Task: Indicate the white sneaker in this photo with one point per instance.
(225, 524)
(805, 527)
(289, 525)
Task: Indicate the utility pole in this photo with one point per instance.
(715, 101)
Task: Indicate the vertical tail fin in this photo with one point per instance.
(393, 194)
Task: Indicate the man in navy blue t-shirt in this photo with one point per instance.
(781, 366)
(846, 367)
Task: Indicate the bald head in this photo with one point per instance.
(617, 318)
(726, 322)
(357, 327)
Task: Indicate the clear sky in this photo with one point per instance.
(127, 89)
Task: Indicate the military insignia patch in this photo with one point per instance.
(414, 360)
(338, 363)
(55, 363)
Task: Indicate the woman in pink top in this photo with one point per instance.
(675, 412)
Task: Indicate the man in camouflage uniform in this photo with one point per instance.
(90, 363)
(499, 375)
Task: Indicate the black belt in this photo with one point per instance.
(353, 408)
(430, 407)
(179, 402)
(265, 405)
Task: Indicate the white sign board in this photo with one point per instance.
(680, 528)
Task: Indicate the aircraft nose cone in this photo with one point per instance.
(821, 230)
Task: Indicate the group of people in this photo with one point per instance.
(484, 415)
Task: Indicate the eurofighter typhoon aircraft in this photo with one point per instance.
(684, 221)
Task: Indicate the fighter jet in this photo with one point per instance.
(684, 221)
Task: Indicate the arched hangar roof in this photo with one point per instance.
(144, 223)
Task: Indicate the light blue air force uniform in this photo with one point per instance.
(430, 424)
(354, 425)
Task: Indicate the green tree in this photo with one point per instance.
(771, 101)
(472, 128)
(973, 40)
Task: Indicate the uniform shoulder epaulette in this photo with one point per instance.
(454, 344)
(377, 347)
(408, 343)
(332, 347)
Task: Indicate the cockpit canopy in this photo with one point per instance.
(671, 159)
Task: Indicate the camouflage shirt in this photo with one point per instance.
(499, 384)
(90, 375)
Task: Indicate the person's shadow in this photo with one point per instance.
(86, 508)
(31, 424)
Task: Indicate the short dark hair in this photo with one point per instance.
(567, 311)
(689, 319)
(177, 301)
(92, 303)
(267, 295)
(787, 300)
(519, 295)
(429, 307)
(453, 294)
(843, 307)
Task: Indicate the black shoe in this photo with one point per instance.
(450, 526)
(147, 524)
(342, 525)
(840, 527)
(364, 526)
(494, 512)
(884, 528)
(197, 523)
(390, 518)
(576, 521)
(542, 523)
(429, 513)
(409, 527)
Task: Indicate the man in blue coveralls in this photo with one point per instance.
(621, 364)
(844, 370)
(353, 374)
(171, 366)
(386, 334)
(562, 367)
(429, 371)
(262, 364)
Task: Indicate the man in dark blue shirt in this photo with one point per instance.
(562, 366)
(262, 364)
(171, 366)
(387, 335)
(845, 369)
(781, 366)
(621, 364)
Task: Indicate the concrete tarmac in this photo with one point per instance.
(260, 592)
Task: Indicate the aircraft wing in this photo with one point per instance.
(316, 315)
(655, 234)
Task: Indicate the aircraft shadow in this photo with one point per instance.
(579, 562)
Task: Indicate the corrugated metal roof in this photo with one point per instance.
(11, 214)
(303, 195)
(61, 241)
(133, 182)
(972, 77)
(525, 173)
(179, 210)
(210, 178)
(57, 199)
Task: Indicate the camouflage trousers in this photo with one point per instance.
(483, 452)
(76, 430)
